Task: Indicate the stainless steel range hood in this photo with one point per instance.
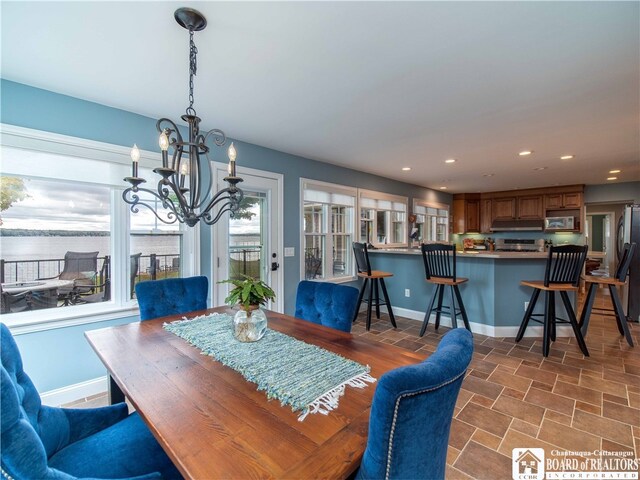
(517, 226)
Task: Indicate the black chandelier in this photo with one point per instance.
(182, 202)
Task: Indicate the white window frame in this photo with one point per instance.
(384, 202)
(117, 161)
(417, 203)
(330, 188)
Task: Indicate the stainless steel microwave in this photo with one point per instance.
(559, 223)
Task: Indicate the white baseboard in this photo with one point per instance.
(72, 393)
(481, 328)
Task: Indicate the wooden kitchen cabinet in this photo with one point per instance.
(558, 201)
(503, 208)
(466, 214)
(485, 216)
(530, 207)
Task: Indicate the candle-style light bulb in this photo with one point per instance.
(184, 169)
(135, 153)
(163, 141)
(135, 156)
(232, 160)
(232, 152)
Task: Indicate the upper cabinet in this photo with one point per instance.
(530, 207)
(530, 204)
(466, 213)
(558, 201)
(503, 208)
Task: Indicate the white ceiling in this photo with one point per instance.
(373, 86)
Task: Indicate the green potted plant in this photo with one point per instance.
(250, 322)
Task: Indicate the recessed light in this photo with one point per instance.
(443, 188)
(540, 168)
(612, 178)
(406, 169)
(567, 157)
(614, 171)
(450, 160)
(524, 153)
(488, 174)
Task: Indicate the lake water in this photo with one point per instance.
(48, 248)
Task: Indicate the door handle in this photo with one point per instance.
(274, 266)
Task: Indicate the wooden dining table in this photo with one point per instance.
(215, 424)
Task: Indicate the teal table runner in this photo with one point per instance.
(308, 378)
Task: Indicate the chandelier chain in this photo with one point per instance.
(193, 66)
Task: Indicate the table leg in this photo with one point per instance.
(115, 394)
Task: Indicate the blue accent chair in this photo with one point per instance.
(412, 411)
(59, 443)
(159, 298)
(328, 304)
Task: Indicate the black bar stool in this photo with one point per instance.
(562, 274)
(440, 269)
(618, 280)
(376, 276)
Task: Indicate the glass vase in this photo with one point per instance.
(249, 325)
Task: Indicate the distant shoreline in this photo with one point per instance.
(22, 232)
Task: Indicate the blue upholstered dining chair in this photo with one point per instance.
(58, 443)
(412, 411)
(328, 304)
(173, 296)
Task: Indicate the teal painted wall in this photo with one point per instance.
(67, 358)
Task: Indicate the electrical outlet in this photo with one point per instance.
(526, 305)
(407, 292)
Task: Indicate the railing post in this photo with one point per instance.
(1, 270)
(152, 268)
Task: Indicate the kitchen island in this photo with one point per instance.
(493, 297)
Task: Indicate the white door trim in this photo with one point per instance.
(278, 204)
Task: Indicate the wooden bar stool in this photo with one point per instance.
(440, 269)
(376, 277)
(562, 274)
(618, 280)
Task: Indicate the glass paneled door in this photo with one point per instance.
(250, 243)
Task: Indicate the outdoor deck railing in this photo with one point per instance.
(151, 267)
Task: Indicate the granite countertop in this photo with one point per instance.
(459, 253)
(476, 253)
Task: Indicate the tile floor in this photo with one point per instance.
(513, 397)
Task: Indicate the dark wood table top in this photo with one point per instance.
(215, 424)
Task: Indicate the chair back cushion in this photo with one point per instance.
(30, 432)
(328, 304)
(173, 296)
(412, 411)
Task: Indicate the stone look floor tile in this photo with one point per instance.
(483, 463)
(484, 418)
